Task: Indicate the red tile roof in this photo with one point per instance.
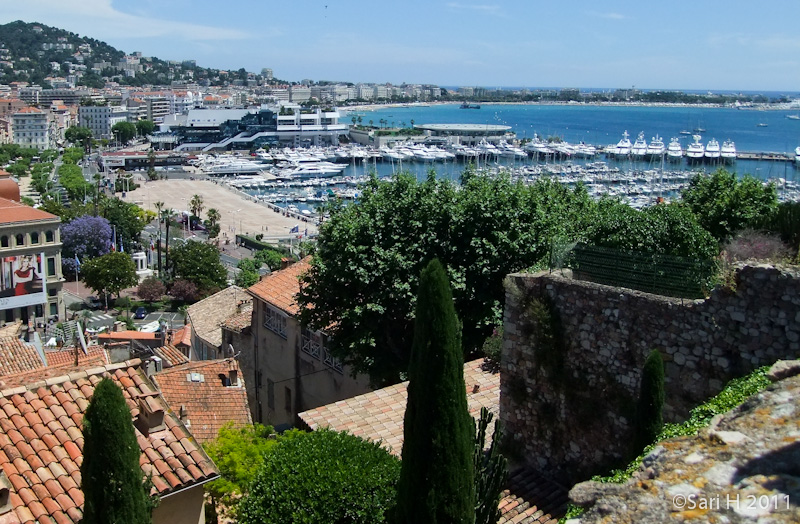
(280, 287)
(58, 363)
(378, 415)
(183, 336)
(41, 443)
(197, 389)
(171, 356)
(126, 335)
(16, 356)
(13, 212)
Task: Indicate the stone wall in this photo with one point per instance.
(568, 403)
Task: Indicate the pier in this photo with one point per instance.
(770, 157)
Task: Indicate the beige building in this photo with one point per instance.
(290, 365)
(30, 259)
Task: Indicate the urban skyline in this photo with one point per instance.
(681, 45)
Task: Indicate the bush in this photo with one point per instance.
(151, 289)
(184, 290)
(755, 245)
(323, 476)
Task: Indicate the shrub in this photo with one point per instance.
(151, 289)
(184, 290)
(323, 476)
(755, 245)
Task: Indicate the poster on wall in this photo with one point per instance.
(22, 281)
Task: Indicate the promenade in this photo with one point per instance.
(240, 213)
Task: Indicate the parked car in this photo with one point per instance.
(140, 313)
(93, 302)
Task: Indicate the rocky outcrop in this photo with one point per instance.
(745, 467)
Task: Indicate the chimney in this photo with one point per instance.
(151, 414)
(286, 262)
(233, 374)
(5, 492)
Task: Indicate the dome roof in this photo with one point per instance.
(9, 189)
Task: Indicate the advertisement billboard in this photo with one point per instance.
(22, 281)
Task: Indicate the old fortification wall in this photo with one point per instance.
(573, 353)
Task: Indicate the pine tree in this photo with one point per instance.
(651, 402)
(112, 481)
(437, 477)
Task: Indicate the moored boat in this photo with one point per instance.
(674, 151)
(655, 148)
(695, 151)
(623, 147)
(728, 151)
(712, 153)
(639, 148)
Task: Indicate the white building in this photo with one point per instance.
(298, 94)
(100, 119)
(31, 128)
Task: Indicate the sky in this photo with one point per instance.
(676, 44)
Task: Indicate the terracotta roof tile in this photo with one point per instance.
(378, 416)
(42, 461)
(207, 316)
(13, 212)
(198, 389)
(127, 335)
(279, 288)
(17, 357)
(171, 356)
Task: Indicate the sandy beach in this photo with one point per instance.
(238, 213)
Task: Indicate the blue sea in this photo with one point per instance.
(603, 125)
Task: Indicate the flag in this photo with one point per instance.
(121, 246)
(114, 239)
(295, 229)
(152, 245)
(77, 263)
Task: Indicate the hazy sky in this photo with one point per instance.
(674, 44)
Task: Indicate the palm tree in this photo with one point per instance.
(196, 205)
(167, 215)
(370, 123)
(213, 216)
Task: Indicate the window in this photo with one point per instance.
(49, 236)
(4, 241)
(311, 342)
(20, 239)
(51, 291)
(275, 321)
(53, 309)
(51, 266)
(287, 399)
(34, 238)
(331, 361)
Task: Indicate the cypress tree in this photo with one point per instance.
(437, 477)
(651, 402)
(112, 481)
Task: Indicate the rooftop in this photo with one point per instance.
(41, 443)
(201, 392)
(13, 212)
(279, 288)
(207, 316)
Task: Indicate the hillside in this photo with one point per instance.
(36, 53)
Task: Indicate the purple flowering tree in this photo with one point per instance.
(87, 237)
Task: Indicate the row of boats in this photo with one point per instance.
(694, 152)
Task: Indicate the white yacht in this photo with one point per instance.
(728, 151)
(712, 153)
(695, 151)
(639, 149)
(797, 156)
(655, 148)
(623, 148)
(674, 151)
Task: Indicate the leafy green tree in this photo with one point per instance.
(248, 272)
(78, 135)
(270, 258)
(323, 476)
(128, 218)
(71, 179)
(145, 127)
(437, 476)
(724, 205)
(198, 263)
(649, 418)
(238, 453)
(113, 484)
(123, 131)
(110, 273)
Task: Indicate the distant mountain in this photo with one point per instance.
(33, 52)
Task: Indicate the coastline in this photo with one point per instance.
(400, 105)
